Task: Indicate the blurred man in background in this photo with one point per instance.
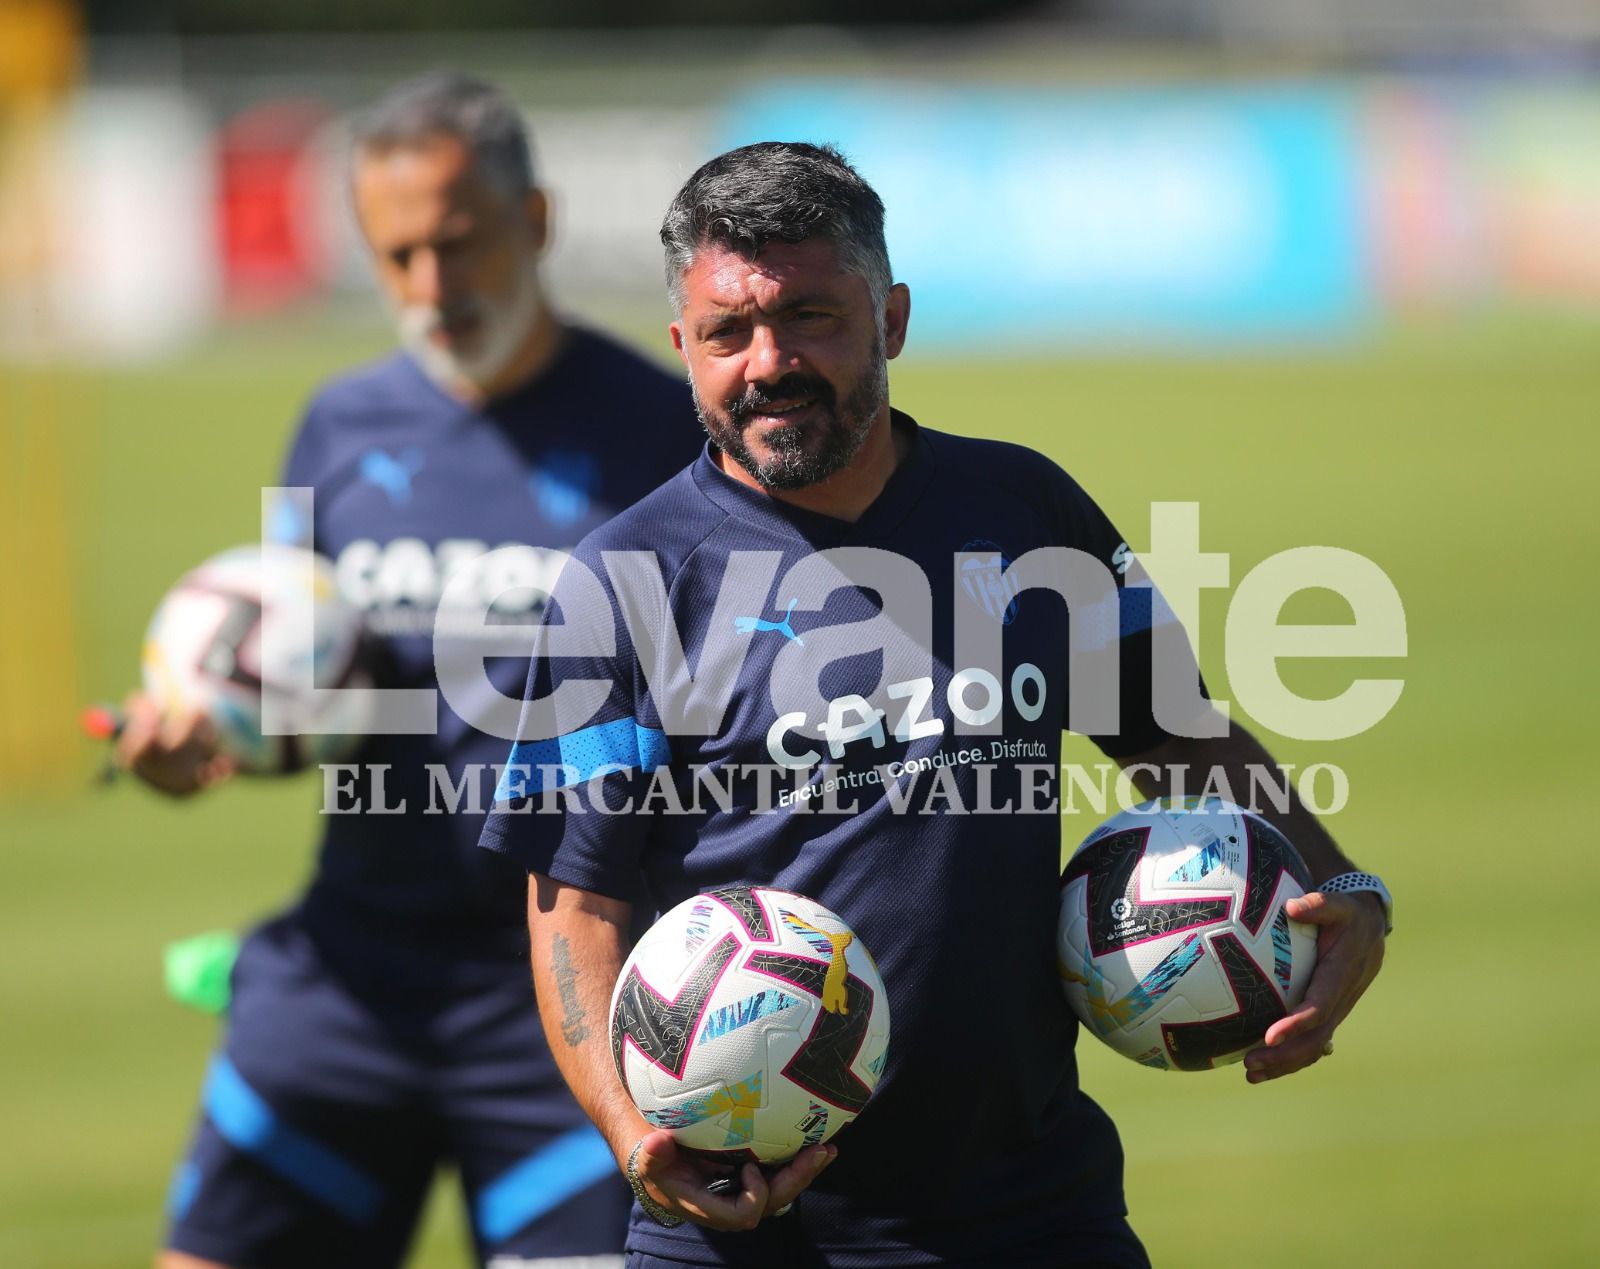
(385, 1023)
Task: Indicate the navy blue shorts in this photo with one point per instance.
(350, 1071)
(1111, 1244)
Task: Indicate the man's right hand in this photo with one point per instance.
(579, 941)
(176, 754)
(677, 1180)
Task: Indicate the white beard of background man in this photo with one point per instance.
(500, 327)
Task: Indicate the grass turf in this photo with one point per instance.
(1454, 1123)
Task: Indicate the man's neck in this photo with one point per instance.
(534, 356)
(846, 494)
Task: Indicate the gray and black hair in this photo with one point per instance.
(450, 104)
(778, 191)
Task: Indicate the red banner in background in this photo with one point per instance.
(268, 228)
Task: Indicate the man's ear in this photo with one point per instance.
(896, 317)
(677, 342)
(536, 206)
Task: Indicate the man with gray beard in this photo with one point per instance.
(384, 1025)
(978, 1146)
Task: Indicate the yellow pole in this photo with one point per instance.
(40, 54)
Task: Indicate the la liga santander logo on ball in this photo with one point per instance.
(1174, 945)
(750, 1023)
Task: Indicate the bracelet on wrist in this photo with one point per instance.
(651, 1208)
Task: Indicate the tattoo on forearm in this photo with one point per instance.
(573, 1030)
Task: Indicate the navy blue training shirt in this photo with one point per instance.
(412, 488)
(940, 846)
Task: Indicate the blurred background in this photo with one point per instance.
(1332, 271)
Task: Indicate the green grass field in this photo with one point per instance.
(1456, 1122)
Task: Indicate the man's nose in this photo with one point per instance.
(424, 279)
(768, 360)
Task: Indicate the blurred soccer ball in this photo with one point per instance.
(751, 1023)
(1173, 941)
(204, 651)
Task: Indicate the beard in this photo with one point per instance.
(503, 325)
(800, 454)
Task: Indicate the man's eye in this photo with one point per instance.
(401, 257)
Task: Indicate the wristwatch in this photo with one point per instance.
(1355, 882)
(652, 1209)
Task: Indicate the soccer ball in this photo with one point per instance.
(204, 651)
(751, 1023)
(1173, 941)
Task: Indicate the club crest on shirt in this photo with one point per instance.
(988, 581)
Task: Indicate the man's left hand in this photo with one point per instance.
(1349, 955)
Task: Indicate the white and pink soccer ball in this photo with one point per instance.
(751, 1023)
(204, 651)
(1174, 945)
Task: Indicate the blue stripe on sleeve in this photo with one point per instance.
(1143, 608)
(1136, 610)
(247, 1123)
(623, 743)
(185, 1185)
(654, 751)
(522, 775)
(543, 1180)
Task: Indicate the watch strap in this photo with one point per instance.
(1358, 882)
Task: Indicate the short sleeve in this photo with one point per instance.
(588, 746)
(1138, 618)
